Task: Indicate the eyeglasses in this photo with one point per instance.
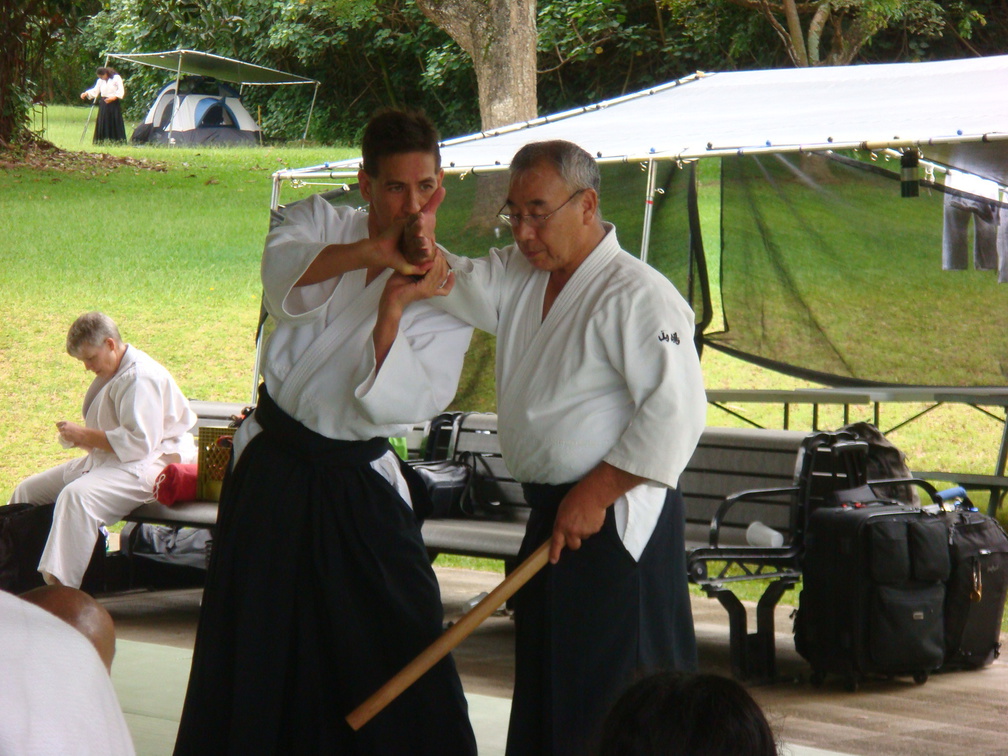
(534, 221)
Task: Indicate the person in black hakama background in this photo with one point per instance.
(109, 91)
(319, 587)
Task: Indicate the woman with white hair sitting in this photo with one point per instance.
(136, 421)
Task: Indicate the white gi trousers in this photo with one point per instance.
(85, 500)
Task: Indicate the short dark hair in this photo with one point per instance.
(576, 167)
(393, 131)
(687, 714)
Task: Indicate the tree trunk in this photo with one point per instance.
(795, 31)
(13, 103)
(500, 37)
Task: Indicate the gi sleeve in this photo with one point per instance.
(290, 249)
(420, 375)
(650, 342)
(93, 92)
(479, 285)
(141, 411)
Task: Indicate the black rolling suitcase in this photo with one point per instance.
(873, 592)
(977, 587)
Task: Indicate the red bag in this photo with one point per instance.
(176, 482)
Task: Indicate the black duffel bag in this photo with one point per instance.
(24, 529)
(448, 482)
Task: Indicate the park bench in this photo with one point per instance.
(765, 464)
(727, 461)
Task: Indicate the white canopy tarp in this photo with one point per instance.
(941, 107)
(197, 63)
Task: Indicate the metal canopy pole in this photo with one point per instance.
(648, 207)
(175, 100)
(310, 110)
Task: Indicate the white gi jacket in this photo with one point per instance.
(56, 695)
(335, 390)
(610, 375)
(145, 416)
(107, 88)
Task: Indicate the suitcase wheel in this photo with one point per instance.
(920, 677)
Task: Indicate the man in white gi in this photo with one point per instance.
(56, 696)
(320, 588)
(601, 403)
(136, 421)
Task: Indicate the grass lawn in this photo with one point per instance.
(170, 248)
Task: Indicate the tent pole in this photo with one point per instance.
(91, 109)
(310, 109)
(648, 207)
(175, 100)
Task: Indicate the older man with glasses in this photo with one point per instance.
(601, 403)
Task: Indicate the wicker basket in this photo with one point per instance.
(214, 455)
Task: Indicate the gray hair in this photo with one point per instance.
(91, 329)
(577, 168)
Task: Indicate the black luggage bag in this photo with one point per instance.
(873, 594)
(24, 529)
(977, 587)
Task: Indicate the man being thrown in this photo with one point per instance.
(600, 404)
(320, 587)
(136, 421)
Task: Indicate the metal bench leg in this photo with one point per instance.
(737, 631)
(753, 655)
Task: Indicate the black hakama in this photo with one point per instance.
(319, 590)
(109, 127)
(588, 626)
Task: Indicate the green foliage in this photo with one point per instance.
(30, 30)
(223, 27)
(365, 54)
(970, 28)
(905, 29)
(590, 50)
(371, 53)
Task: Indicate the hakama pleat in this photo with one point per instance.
(590, 625)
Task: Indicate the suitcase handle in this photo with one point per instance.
(956, 493)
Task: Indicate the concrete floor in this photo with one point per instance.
(953, 713)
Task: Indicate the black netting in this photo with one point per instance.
(828, 273)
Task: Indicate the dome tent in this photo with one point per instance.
(197, 111)
(218, 115)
